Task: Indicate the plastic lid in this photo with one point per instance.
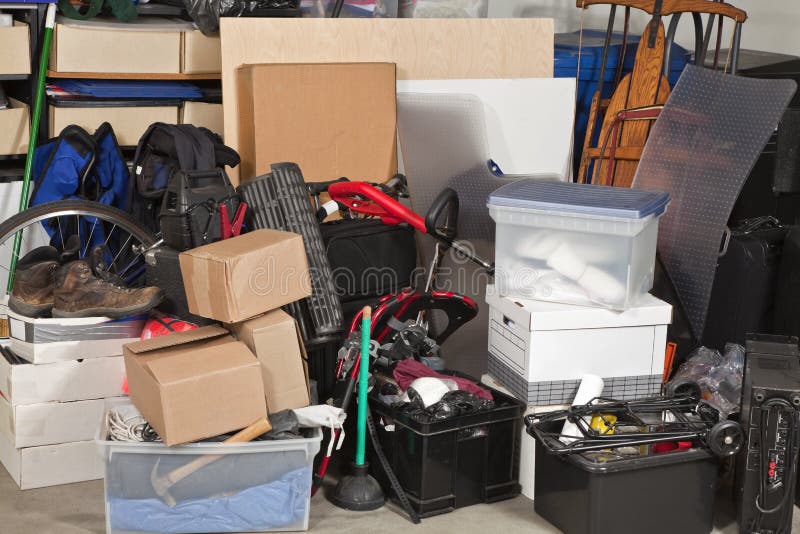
(586, 199)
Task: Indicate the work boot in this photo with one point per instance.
(32, 294)
(79, 293)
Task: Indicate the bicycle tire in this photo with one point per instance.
(85, 208)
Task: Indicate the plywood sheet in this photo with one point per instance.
(423, 49)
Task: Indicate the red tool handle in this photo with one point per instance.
(363, 198)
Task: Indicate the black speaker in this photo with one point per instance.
(766, 470)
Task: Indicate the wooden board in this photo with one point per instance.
(423, 49)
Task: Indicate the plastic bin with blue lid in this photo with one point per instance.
(575, 243)
(569, 46)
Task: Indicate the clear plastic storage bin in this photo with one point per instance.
(249, 487)
(575, 243)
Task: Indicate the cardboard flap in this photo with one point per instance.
(175, 339)
(230, 250)
(201, 362)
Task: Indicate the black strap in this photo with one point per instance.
(651, 41)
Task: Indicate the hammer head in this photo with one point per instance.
(161, 486)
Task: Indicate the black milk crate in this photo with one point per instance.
(454, 463)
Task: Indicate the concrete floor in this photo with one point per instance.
(78, 509)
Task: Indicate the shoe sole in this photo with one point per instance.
(28, 310)
(113, 313)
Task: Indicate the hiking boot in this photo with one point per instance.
(32, 295)
(80, 293)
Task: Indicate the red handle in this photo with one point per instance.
(361, 197)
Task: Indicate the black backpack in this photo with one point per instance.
(163, 150)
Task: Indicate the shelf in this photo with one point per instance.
(132, 76)
(13, 77)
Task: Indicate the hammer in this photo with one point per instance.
(162, 484)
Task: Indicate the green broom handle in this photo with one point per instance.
(49, 23)
(363, 380)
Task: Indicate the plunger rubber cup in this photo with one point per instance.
(358, 491)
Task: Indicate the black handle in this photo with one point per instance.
(317, 188)
(447, 199)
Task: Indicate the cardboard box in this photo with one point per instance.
(92, 378)
(275, 340)
(50, 423)
(332, 119)
(540, 350)
(14, 128)
(203, 114)
(195, 385)
(114, 47)
(51, 465)
(58, 339)
(15, 44)
(129, 122)
(239, 278)
(201, 54)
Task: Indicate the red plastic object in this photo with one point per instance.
(670, 446)
(361, 197)
(161, 325)
(230, 228)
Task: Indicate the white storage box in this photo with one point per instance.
(539, 350)
(575, 243)
(94, 378)
(50, 465)
(59, 339)
(251, 487)
(50, 423)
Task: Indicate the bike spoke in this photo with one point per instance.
(114, 261)
(89, 239)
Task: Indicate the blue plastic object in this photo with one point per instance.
(130, 88)
(591, 56)
(584, 199)
(277, 505)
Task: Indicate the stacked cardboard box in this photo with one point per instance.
(53, 395)
(214, 380)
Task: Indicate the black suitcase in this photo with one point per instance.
(787, 295)
(163, 270)
(743, 295)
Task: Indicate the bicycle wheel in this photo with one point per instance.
(52, 223)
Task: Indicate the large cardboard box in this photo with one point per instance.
(14, 128)
(129, 122)
(275, 340)
(201, 54)
(51, 465)
(51, 340)
(92, 378)
(123, 47)
(15, 44)
(50, 423)
(239, 278)
(195, 385)
(203, 114)
(332, 119)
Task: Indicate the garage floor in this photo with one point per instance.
(78, 509)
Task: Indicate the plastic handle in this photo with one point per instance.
(363, 382)
(364, 198)
(447, 199)
(317, 188)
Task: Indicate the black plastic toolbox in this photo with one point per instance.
(666, 493)
(453, 463)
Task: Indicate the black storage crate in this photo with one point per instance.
(453, 463)
(665, 493)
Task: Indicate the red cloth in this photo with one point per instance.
(409, 370)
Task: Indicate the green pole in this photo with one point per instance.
(363, 380)
(36, 116)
